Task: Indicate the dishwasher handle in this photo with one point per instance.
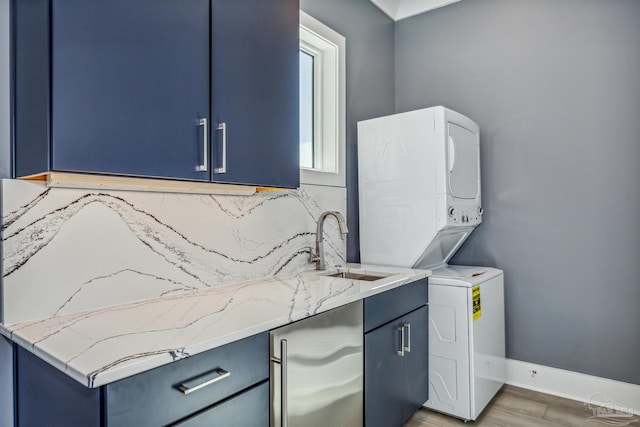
(282, 361)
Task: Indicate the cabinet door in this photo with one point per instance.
(130, 83)
(415, 375)
(46, 396)
(255, 92)
(384, 391)
(248, 409)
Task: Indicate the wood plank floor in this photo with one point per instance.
(517, 407)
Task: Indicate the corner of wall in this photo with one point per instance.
(395, 67)
(5, 89)
(6, 382)
(1, 257)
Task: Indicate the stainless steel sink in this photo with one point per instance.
(357, 276)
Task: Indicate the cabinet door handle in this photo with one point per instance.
(205, 151)
(408, 347)
(203, 381)
(282, 361)
(223, 167)
(401, 351)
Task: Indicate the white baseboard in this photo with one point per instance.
(573, 385)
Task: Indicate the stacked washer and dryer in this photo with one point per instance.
(419, 184)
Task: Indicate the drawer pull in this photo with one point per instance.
(203, 381)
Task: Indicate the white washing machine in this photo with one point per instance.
(419, 186)
(466, 339)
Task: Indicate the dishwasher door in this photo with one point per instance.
(317, 370)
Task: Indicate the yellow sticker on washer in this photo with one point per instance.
(475, 298)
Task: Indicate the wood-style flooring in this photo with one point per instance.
(518, 407)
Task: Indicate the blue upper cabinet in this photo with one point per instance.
(127, 87)
(255, 92)
(127, 84)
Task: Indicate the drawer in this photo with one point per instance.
(382, 308)
(153, 398)
(248, 409)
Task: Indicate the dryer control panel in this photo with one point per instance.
(461, 214)
(454, 212)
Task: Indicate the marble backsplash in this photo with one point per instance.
(70, 250)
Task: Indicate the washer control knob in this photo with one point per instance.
(451, 210)
(480, 211)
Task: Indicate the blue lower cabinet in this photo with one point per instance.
(46, 396)
(396, 363)
(181, 392)
(415, 380)
(383, 377)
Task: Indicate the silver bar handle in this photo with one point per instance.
(205, 151)
(401, 351)
(408, 347)
(282, 361)
(204, 381)
(283, 384)
(223, 128)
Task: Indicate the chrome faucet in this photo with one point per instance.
(318, 257)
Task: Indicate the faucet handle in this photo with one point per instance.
(313, 257)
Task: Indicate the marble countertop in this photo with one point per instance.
(101, 346)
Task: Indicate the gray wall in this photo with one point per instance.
(6, 382)
(555, 88)
(370, 80)
(5, 134)
(6, 350)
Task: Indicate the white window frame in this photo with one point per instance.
(328, 49)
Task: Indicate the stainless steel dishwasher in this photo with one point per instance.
(317, 370)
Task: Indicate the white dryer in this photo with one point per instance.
(419, 186)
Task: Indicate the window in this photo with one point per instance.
(307, 108)
(322, 104)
